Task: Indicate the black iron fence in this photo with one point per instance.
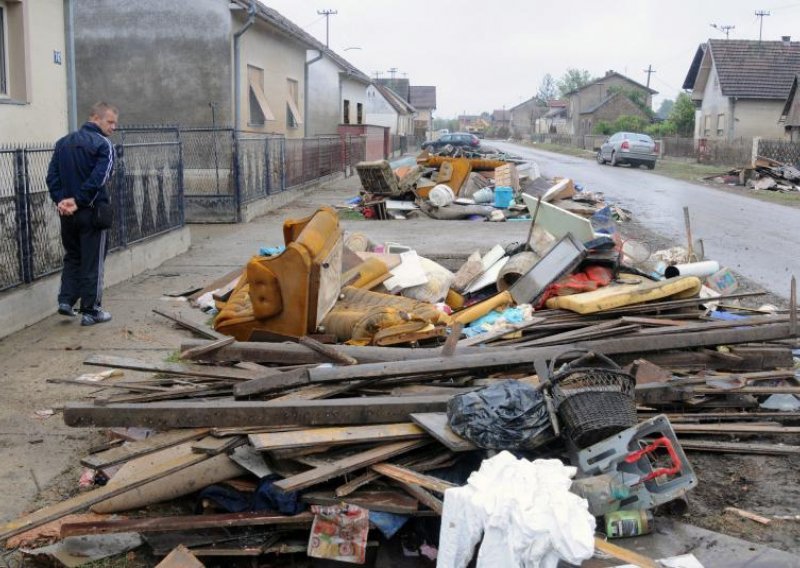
(146, 191)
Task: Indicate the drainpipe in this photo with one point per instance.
(305, 90)
(72, 93)
(237, 72)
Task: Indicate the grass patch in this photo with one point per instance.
(174, 357)
(350, 215)
(568, 150)
(687, 170)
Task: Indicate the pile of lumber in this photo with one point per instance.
(368, 425)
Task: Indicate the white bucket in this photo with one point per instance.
(485, 195)
(441, 195)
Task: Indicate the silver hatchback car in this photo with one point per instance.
(629, 148)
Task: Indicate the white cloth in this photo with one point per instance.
(524, 512)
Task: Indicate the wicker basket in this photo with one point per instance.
(593, 403)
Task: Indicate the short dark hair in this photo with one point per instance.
(100, 108)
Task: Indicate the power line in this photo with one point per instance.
(327, 14)
(760, 15)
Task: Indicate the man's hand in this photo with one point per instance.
(67, 207)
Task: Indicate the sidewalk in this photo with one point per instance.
(38, 450)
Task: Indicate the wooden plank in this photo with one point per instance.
(181, 369)
(180, 557)
(198, 328)
(213, 446)
(224, 413)
(270, 383)
(387, 500)
(336, 436)
(739, 447)
(627, 556)
(316, 392)
(84, 500)
(430, 501)
(747, 390)
(405, 475)
(201, 350)
(327, 351)
(450, 344)
(733, 428)
(414, 463)
(492, 335)
(748, 515)
(508, 357)
(184, 523)
(435, 424)
(149, 445)
(346, 465)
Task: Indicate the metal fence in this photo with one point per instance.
(784, 151)
(146, 191)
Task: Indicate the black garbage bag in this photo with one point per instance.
(508, 415)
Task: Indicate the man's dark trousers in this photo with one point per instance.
(85, 246)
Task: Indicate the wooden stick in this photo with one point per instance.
(749, 515)
(405, 475)
(690, 247)
(326, 350)
(624, 554)
(451, 342)
(431, 501)
(197, 352)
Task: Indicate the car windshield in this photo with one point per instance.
(641, 138)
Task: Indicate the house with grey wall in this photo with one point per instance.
(194, 62)
(583, 103)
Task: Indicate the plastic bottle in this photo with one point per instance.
(621, 524)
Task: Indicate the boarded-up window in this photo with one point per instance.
(359, 113)
(720, 125)
(346, 112)
(293, 116)
(258, 105)
(707, 125)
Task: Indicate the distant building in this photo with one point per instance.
(596, 101)
(524, 117)
(740, 87)
(387, 108)
(423, 98)
(554, 120)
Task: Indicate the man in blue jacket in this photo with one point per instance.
(79, 170)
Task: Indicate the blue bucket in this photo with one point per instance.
(503, 196)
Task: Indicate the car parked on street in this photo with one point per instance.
(633, 148)
(458, 139)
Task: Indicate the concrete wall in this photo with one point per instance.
(28, 304)
(714, 104)
(758, 118)
(282, 59)
(159, 62)
(324, 97)
(379, 110)
(523, 117)
(36, 108)
(355, 92)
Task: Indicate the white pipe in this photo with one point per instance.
(699, 269)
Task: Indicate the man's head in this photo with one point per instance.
(105, 116)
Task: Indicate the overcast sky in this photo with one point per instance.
(490, 54)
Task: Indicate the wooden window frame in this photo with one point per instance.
(255, 90)
(294, 118)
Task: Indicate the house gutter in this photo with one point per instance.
(237, 72)
(319, 56)
(72, 93)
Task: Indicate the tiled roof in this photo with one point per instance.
(611, 74)
(398, 103)
(399, 85)
(755, 70)
(501, 115)
(422, 97)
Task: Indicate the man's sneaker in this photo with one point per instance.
(97, 316)
(66, 310)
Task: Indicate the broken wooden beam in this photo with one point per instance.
(226, 413)
(405, 475)
(181, 369)
(336, 436)
(331, 353)
(184, 522)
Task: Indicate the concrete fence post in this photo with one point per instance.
(754, 154)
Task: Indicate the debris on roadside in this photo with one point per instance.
(763, 174)
(348, 390)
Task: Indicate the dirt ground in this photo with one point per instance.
(41, 455)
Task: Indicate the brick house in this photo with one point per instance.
(598, 100)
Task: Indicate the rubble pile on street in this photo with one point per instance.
(348, 391)
(763, 174)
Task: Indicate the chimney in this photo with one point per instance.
(787, 40)
(609, 72)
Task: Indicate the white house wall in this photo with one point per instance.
(355, 92)
(758, 118)
(715, 104)
(41, 114)
(323, 96)
(379, 111)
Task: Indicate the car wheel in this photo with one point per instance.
(651, 165)
(614, 161)
(600, 159)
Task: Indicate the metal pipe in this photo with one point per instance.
(237, 72)
(72, 93)
(305, 89)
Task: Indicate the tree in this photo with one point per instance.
(630, 123)
(547, 89)
(682, 115)
(636, 96)
(665, 108)
(573, 79)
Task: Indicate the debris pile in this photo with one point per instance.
(763, 174)
(349, 391)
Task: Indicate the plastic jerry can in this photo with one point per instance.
(503, 196)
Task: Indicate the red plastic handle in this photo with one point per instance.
(665, 442)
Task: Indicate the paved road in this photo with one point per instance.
(752, 237)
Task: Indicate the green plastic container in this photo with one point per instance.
(621, 524)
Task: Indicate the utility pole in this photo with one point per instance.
(649, 72)
(327, 14)
(724, 28)
(760, 15)
(393, 72)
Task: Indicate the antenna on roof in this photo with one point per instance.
(760, 15)
(724, 28)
